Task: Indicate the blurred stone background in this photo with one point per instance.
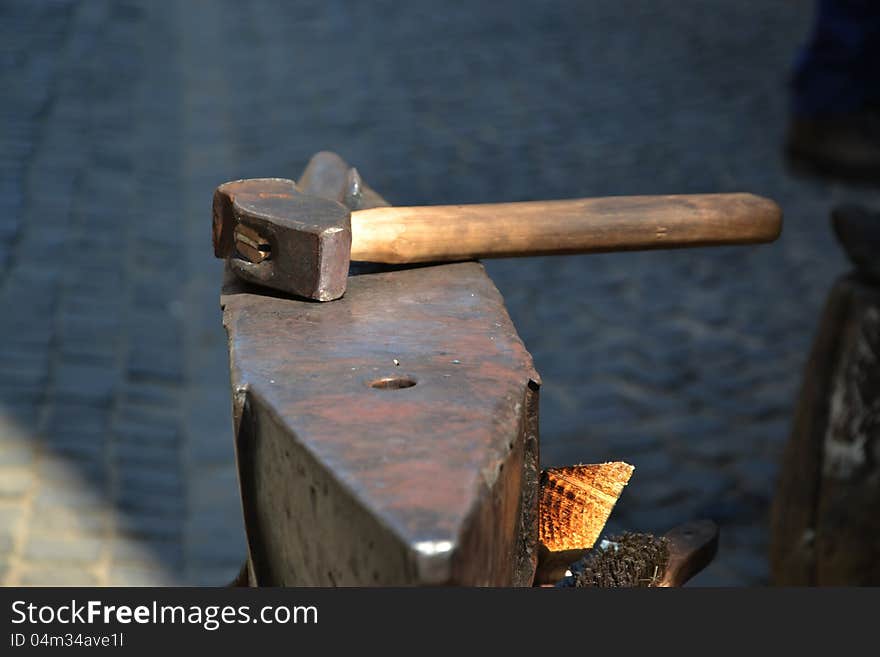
(119, 118)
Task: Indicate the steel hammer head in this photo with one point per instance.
(274, 235)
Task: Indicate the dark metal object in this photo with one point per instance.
(274, 235)
(390, 437)
(858, 231)
(826, 512)
(328, 176)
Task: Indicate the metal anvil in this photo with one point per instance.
(389, 437)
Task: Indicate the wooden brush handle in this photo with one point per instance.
(692, 546)
(618, 223)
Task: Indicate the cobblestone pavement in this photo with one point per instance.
(121, 117)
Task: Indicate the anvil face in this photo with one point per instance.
(274, 235)
(389, 437)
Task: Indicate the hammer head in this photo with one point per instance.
(274, 235)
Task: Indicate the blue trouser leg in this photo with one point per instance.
(839, 69)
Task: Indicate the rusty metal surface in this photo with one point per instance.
(389, 437)
(275, 235)
(337, 454)
(329, 176)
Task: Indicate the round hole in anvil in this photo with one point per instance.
(393, 382)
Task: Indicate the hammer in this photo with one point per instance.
(274, 234)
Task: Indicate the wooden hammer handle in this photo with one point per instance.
(464, 232)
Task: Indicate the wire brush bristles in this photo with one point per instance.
(628, 560)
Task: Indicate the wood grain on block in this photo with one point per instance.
(576, 502)
(574, 507)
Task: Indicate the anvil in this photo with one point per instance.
(389, 437)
